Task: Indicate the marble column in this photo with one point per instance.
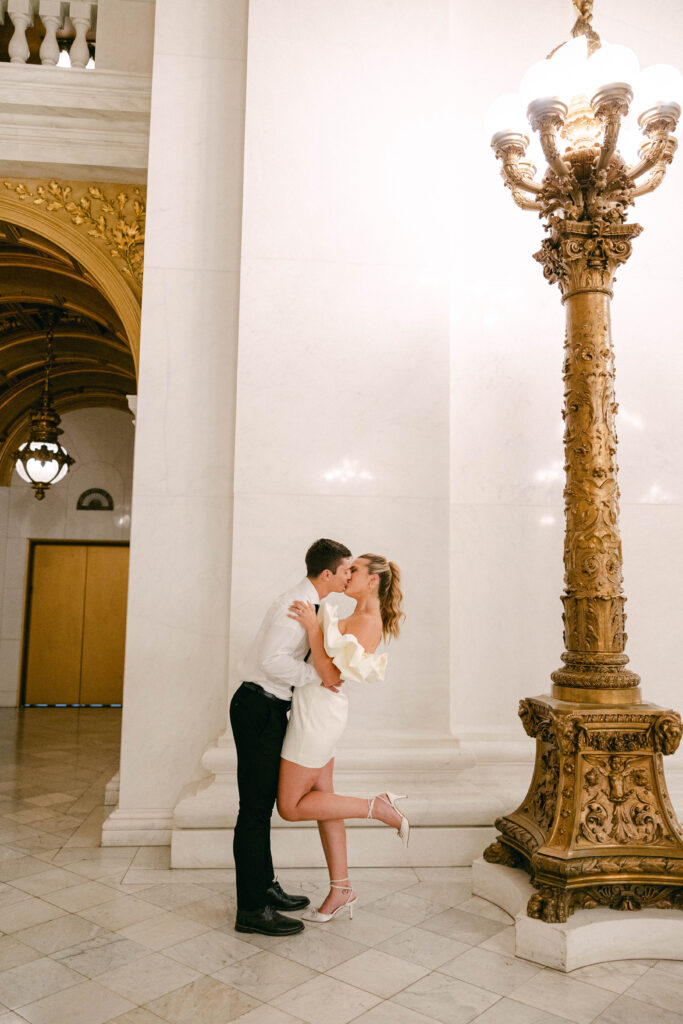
(343, 392)
(181, 540)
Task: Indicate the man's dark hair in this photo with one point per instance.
(325, 554)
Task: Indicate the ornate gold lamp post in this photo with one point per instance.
(597, 826)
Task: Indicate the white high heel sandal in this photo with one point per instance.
(315, 915)
(403, 831)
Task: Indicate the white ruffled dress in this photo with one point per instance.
(318, 715)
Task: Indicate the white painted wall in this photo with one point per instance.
(101, 442)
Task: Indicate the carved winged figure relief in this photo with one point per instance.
(618, 805)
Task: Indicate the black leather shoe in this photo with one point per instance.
(267, 922)
(278, 898)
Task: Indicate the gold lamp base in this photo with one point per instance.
(597, 827)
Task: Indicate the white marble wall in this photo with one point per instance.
(342, 410)
(506, 449)
(101, 442)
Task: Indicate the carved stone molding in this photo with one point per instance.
(112, 215)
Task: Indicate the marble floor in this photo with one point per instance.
(91, 935)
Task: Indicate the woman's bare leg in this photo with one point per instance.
(297, 800)
(333, 839)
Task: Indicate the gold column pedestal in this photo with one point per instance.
(597, 827)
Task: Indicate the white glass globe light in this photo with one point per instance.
(610, 64)
(39, 471)
(506, 114)
(560, 76)
(660, 83)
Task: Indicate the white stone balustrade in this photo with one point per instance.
(21, 15)
(53, 14)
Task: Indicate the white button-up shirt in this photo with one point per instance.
(275, 660)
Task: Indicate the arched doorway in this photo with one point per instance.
(51, 259)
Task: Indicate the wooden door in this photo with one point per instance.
(104, 625)
(53, 662)
(76, 624)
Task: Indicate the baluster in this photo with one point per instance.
(52, 16)
(21, 16)
(80, 12)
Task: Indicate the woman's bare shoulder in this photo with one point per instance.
(366, 628)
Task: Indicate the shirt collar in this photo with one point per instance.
(313, 593)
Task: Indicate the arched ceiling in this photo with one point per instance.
(93, 364)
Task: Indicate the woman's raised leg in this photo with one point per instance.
(297, 800)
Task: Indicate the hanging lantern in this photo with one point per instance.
(42, 460)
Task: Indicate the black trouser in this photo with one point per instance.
(258, 725)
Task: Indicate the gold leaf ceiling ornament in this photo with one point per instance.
(116, 219)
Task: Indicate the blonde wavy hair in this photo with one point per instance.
(390, 594)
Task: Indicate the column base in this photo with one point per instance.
(148, 827)
(451, 818)
(370, 845)
(588, 937)
(597, 827)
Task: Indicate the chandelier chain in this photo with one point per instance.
(584, 26)
(49, 355)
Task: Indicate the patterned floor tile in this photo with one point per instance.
(87, 1003)
(34, 980)
(59, 934)
(446, 999)
(148, 978)
(265, 975)
(422, 947)
(324, 1000)
(549, 990)
(211, 951)
(659, 988)
(378, 972)
(207, 1000)
(99, 955)
(490, 971)
(464, 927)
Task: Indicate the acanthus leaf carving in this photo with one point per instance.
(117, 220)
